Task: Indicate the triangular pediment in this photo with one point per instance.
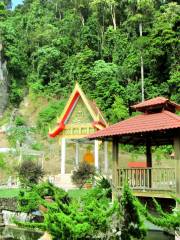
(79, 97)
(79, 114)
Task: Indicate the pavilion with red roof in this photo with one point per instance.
(157, 124)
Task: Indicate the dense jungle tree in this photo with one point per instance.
(104, 45)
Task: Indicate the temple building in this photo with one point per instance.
(80, 118)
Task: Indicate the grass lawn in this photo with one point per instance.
(77, 193)
(8, 193)
(13, 192)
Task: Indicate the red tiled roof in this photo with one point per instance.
(97, 112)
(140, 124)
(154, 102)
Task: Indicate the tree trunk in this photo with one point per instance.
(82, 19)
(142, 66)
(113, 15)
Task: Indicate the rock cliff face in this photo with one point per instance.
(4, 94)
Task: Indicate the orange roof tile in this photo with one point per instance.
(155, 102)
(140, 124)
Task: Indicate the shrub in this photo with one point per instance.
(29, 173)
(83, 173)
(30, 199)
(19, 121)
(132, 225)
(104, 183)
(91, 217)
(170, 222)
(18, 132)
(37, 146)
(2, 161)
(86, 219)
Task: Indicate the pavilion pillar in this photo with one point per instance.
(96, 153)
(77, 153)
(177, 157)
(115, 153)
(106, 165)
(149, 162)
(63, 155)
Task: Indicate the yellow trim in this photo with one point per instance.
(85, 100)
(76, 125)
(72, 136)
(78, 131)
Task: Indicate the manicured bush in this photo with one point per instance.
(90, 217)
(31, 198)
(85, 219)
(132, 224)
(168, 221)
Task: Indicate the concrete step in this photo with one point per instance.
(64, 181)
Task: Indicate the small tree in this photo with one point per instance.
(2, 161)
(132, 226)
(83, 173)
(169, 221)
(29, 173)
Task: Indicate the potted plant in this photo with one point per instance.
(83, 174)
(88, 183)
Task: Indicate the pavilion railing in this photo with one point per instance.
(147, 178)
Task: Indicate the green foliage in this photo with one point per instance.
(132, 225)
(81, 220)
(49, 114)
(104, 183)
(19, 121)
(105, 93)
(89, 217)
(119, 110)
(65, 218)
(30, 199)
(169, 221)
(29, 173)
(50, 45)
(18, 132)
(37, 146)
(2, 161)
(83, 173)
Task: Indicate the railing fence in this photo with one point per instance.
(147, 178)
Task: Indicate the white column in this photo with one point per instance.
(115, 162)
(77, 153)
(96, 153)
(177, 158)
(106, 165)
(63, 155)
